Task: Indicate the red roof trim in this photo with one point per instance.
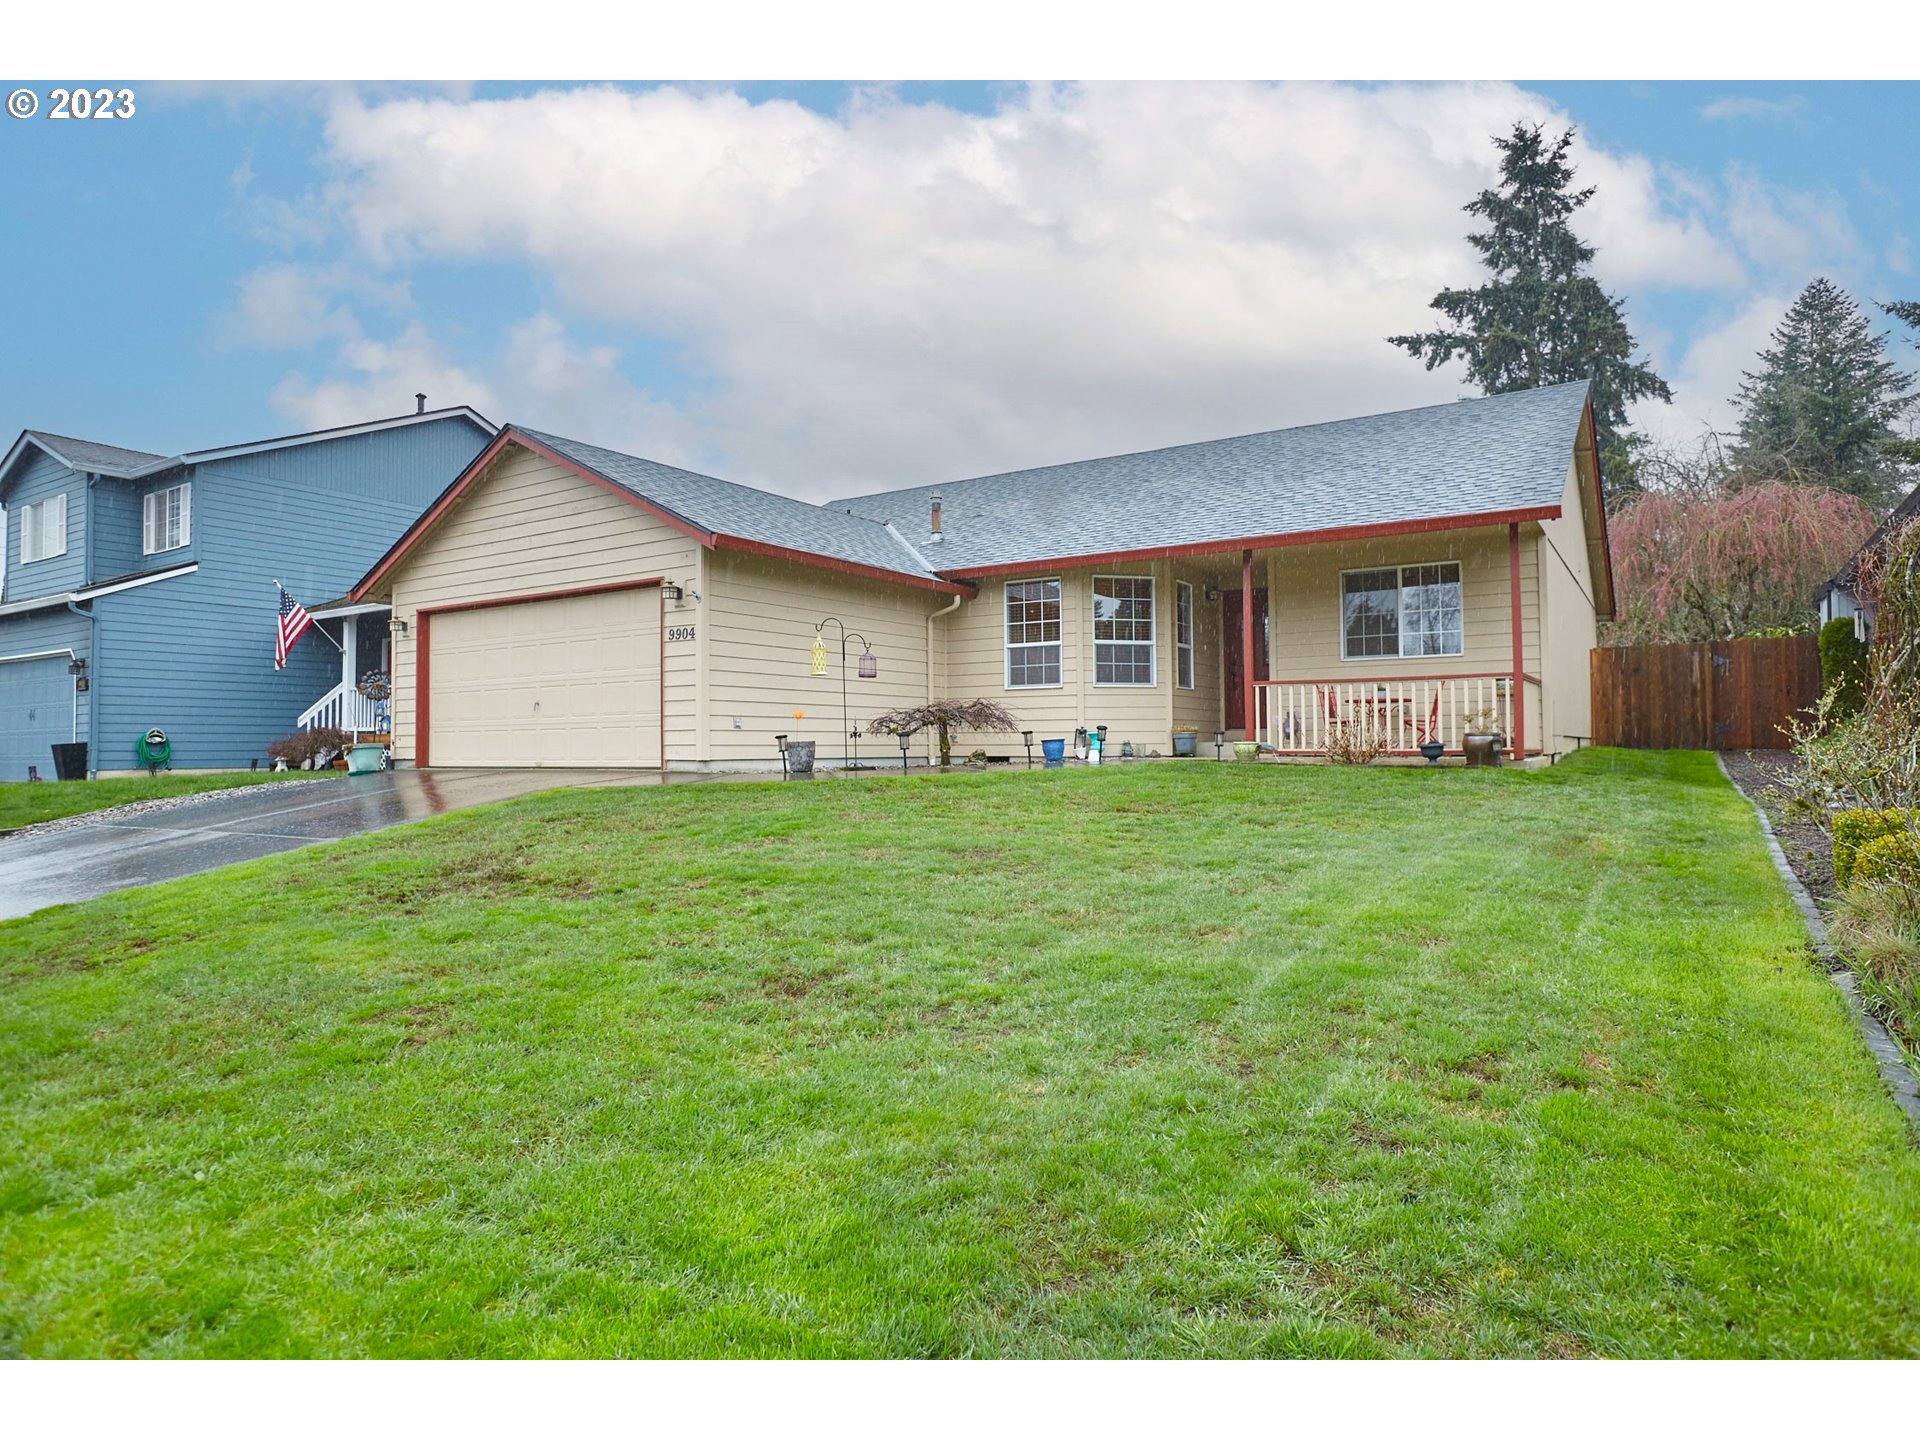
(1486, 518)
(846, 567)
(1600, 508)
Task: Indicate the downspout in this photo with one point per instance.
(952, 606)
(93, 682)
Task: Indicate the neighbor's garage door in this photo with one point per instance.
(36, 713)
(574, 681)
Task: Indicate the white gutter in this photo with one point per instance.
(68, 597)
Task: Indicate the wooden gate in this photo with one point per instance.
(1729, 695)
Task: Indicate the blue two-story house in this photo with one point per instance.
(138, 589)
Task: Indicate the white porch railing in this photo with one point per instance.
(343, 708)
(1298, 717)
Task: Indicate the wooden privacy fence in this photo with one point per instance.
(1727, 695)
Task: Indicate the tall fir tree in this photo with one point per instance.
(1542, 318)
(1822, 407)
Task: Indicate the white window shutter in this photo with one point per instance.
(186, 514)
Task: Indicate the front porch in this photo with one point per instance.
(361, 634)
(1390, 642)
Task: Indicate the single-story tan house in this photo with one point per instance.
(562, 604)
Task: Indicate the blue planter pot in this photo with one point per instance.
(1054, 752)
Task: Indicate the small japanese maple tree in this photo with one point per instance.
(946, 716)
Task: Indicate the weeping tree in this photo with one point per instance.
(946, 716)
(1705, 565)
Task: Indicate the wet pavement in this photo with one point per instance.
(82, 861)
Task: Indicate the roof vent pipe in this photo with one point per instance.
(420, 402)
(933, 522)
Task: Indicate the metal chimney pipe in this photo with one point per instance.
(420, 402)
(934, 520)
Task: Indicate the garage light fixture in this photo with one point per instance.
(397, 626)
(671, 592)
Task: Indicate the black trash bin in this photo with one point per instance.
(70, 761)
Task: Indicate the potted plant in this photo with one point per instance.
(1426, 733)
(1483, 739)
(1185, 739)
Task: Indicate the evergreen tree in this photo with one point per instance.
(1542, 318)
(1822, 406)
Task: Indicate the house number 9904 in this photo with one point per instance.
(679, 632)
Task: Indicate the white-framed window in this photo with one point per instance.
(1033, 633)
(1407, 611)
(166, 519)
(1183, 634)
(1123, 630)
(43, 529)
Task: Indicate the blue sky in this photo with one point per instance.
(823, 288)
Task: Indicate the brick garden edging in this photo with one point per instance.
(1880, 1042)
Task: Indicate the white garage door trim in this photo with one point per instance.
(426, 616)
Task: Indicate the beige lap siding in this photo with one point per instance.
(528, 527)
(760, 614)
(1200, 706)
(976, 666)
(1303, 586)
(1568, 625)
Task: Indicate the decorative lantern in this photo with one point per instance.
(869, 664)
(819, 653)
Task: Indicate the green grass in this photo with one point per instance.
(24, 803)
(1168, 1060)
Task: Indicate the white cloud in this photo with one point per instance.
(1795, 234)
(903, 292)
(1709, 371)
(381, 379)
(1752, 107)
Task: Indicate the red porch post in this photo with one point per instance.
(1517, 686)
(1246, 637)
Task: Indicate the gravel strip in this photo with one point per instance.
(150, 807)
(1808, 851)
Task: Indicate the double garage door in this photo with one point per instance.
(569, 681)
(36, 713)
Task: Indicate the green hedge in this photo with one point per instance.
(1890, 858)
(1843, 666)
(1853, 830)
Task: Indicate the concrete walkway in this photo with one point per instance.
(82, 859)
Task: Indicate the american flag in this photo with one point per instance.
(292, 625)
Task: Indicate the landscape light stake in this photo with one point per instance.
(781, 741)
(906, 739)
(1027, 736)
(869, 668)
(1219, 742)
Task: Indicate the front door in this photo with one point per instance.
(1234, 700)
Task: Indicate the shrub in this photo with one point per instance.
(1843, 666)
(310, 748)
(1854, 829)
(1879, 936)
(1890, 859)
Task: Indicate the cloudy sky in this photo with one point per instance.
(827, 288)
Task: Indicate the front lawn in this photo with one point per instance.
(25, 803)
(1172, 1060)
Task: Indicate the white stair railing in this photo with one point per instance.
(342, 708)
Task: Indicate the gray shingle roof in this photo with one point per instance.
(722, 507)
(91, 455)
(1500, 452)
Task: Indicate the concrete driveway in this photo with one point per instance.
(85, 858)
